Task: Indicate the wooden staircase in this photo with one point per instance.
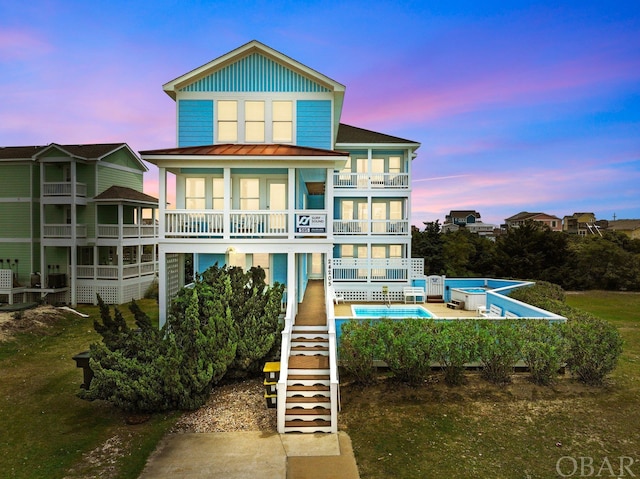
(308, 388)
(308, 385)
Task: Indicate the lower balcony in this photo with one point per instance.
(111, 272)
(376, 269)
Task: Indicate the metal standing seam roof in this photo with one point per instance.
(245, 150)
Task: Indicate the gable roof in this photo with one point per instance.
(93, 151)
(243, 51)
(123, 193)
(348, 134)
(463, 213)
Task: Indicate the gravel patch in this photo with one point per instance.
(238, 406)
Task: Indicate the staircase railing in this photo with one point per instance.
(334, 382)
(285, 350)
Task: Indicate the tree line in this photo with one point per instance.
(532, 251)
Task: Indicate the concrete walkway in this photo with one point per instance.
(241, 455)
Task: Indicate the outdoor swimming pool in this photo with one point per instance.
(395, 311)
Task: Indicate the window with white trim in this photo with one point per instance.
(254, 121)
(282, 116)
(227, 121)
(194, 194)
(217, 196)
(249, 194)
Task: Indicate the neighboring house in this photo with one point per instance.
(580, 224)
(552, 222)
(267, 175)
(629, 227)
(74, 222)
(468, 219)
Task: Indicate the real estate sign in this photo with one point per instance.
(311, 223)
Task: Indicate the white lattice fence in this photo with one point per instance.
(173, 276)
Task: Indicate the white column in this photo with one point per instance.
(328, 202)
(162, 286)
(74, 237)
(162, 205)
(291, 202)
(292, 281)
(226, 215)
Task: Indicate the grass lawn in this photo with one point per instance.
(518, 431)
(47, 432)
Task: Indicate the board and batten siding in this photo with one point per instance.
(313, 123)
(195, 122)
(255, 73)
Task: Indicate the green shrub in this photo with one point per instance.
(456, 344)
(593, 348)
(539, 293)
(499, 345)
(542, 350)
(152, 292)
(359, 347)
(408, 348)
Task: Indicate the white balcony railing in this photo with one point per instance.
(111, 271)
(255, 223)
(365, 181)
(375, 227)
(128, 231)
(63, 231)
(373, 269)
(63, 189)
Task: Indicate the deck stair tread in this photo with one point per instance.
(308, 362)
(319, 377)
(301, 423)
(318, 387)
(305, 339)
(316, 411)
(310, 400)
(310, 348)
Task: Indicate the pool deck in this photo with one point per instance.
(440, 310)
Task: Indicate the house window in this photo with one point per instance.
(254, 121)
(282, 121)
(395, 164)
(217, 198)
(227, 121)
(194, 195)
(249, 194)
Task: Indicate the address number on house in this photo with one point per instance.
(311, 224)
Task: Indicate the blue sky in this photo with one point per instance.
(519, 106)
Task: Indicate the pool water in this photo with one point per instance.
(473, 290)
(392, 312)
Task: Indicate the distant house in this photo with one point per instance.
(629, 227)
(552, 222)
(74, 222)
(580, 224)
(468, 219)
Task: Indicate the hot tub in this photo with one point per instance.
(473, 297)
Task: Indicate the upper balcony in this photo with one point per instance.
(63, 231)
(245, 224)
(62, 192)
(368, 181)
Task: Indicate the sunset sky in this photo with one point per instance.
(519, 106)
